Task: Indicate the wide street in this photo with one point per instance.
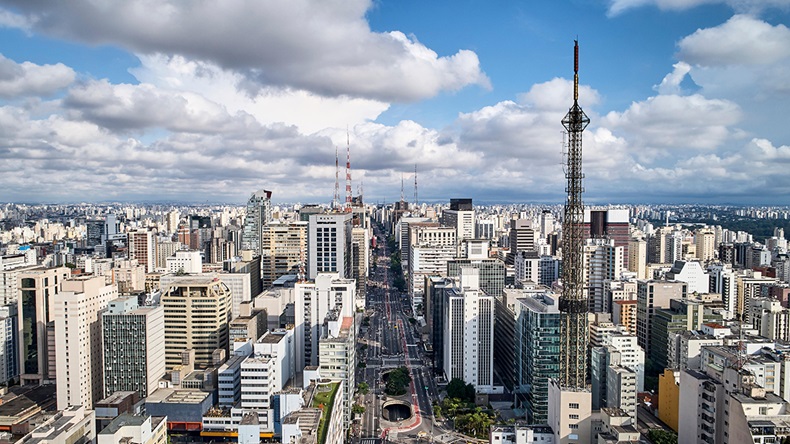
(393, 341)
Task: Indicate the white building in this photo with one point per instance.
(78, 340)
(603, 261)
(185, 261)
(136, 429)
(329, 244)
(690, 272)
(313, 302)
(469, 332)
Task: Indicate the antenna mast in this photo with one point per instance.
(336, 199)
(573, 304)
(348, 172)
(416, 202)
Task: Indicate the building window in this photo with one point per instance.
(573, 405)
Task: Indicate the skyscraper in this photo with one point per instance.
(197, 313)
(78, 340)
(329, 244)
(259, 213)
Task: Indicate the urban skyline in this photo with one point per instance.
(105, 105)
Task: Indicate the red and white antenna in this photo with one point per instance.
(348, 173)
(336, 199)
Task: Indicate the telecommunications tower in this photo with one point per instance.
(573, 304)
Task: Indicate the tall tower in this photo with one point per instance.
(573, 304)
(416, 202)
(336, 198)
(348, 173)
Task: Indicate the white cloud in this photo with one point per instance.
(670, 84)
(307, 111)
(676, 123)
(29, 79)
(619, 6)
(742, 40)
(322, 46)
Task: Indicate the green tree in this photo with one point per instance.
(457, 388)
(357, 409)
(363, 388)
(659, 436)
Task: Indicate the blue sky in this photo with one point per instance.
(174, 100)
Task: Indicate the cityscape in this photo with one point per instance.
(313, 222)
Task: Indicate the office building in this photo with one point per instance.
(637, 257)
(651, 296)
(197, 313)
(35, 311)
(128, 275)
(259, 214)
(283, 250)
(329, 244)
(337, 359)
(78, 340)
(461, 216)
(690, 272)
(314, 300)
(133, 343)
(603, 261)
(469, 332)
(522, 239)
(142, 246)
(608, 223)
(137, 429)
(427, 260)
(705, 241)
(537, 353)
(185, 262)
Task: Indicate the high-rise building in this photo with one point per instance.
(337, 359)
(142, 246)
(78, 340)
(314, 301)
(329, 244)
(9, 355)
(651, 296)
(537, 353)
(608, 223)
(37, 290)
(603, 262)
(283, 250)
(522, 238)
(259, 213)
(637, 257)
(705, 241)
(427, 260)
(469, 332)
(461, 216)
(690, 272)
(133, 342)
(197, 313)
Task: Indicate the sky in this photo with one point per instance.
(203, 101)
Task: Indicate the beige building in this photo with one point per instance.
(197, 313)
(637, 257)
(570, 414)
(129, 276)
(283, 248)
(78, 340)
(705, 241)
